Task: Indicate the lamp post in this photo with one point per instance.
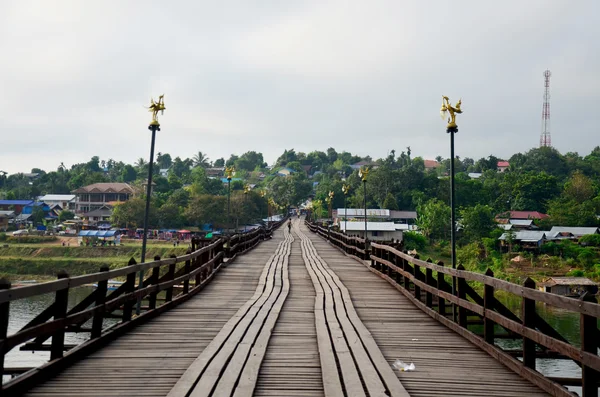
(346, 190)
(452, 129)
(229, 172)
(330, 201)
(246, 191)
(363, 173)
(154, 126)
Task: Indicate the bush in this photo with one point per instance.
(590, 240)
(3, 237)
(413, 241)
(586, 257)
(575, 273)
(31, 239)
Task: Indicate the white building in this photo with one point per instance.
(65, 201)
(375, 230)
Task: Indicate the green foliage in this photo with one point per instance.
(478, 221)
(413, 241)
(575, 273)
(30, 239)
(3, 236)
(434, 219)
(591, 240)
(65, 215)
(390, 202)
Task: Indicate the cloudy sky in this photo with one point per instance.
(361, 76)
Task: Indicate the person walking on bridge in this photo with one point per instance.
(290, 225)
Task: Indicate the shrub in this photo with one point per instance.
(586, 257)
(31, 239)
(591, 240)
(3, 237)
(414, 240)
(575, 273)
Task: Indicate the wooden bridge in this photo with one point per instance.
(308, 312)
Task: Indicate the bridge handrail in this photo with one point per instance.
(200, 263)
(405, 272)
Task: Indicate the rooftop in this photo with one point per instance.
(503, 164)
(361, 212)
(576, 231)
(526, 236)
(106, 187)
(523, 215)
(431, 163)
(568, 281)
(57, 197)
(371, 226)
(16, 202)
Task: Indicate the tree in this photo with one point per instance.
(207, 209)
(249, 161)
(128, 174)
(65, 215)
(131, 213)
(37, 215)
(434, 219)
(579, 188)
(477, 222)
(219, 162)
(390, 202)
(201, 160)
(164, 161)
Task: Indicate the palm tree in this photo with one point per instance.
(141, 163)
(201, 160)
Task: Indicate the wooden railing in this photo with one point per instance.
(175, 278)
(428, 286)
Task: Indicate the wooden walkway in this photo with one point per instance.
(293, 317)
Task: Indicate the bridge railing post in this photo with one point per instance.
(529, 316)
(4, 319)
(170, 277)
(406, 267)
(589, 338)
(418, 276)
(398, 275)
(461, 290)
(441, 285)
(98, 320)
(129, 288)
(429, 280)
(61, 301)
(187, 266)
(488, 305)
(153, 281)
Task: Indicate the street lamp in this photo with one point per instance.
(451, 129)
(346, 190)
(246, 191)
(262, 195)
(330, 201)
(229, 172)
(363, 173)
(154, 126)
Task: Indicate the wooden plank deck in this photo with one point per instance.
(151, 358)
(446, 364)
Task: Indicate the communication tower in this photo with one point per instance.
(545, 139)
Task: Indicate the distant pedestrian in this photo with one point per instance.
(290, 225)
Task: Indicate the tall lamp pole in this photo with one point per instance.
(246, 191)
(363, 173)
(229, 172)
(452, 129)
(154, 126)
(330, 200)
(346, 190)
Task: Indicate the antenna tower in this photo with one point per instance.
(545, 139)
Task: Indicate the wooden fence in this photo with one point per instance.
(428, 286)
(177, 278)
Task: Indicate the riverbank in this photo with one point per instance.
(41, 262)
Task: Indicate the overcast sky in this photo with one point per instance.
(361, 76)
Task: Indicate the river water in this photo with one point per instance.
(22, 311)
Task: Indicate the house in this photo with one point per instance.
(14, 205)
(431, 164)
(359, 213)
(520, 215)
(98, 215)
(502, 166)
(5, 216)
(215, 172)
(65, 201)
(569, 286)
(375, 230)
(527, 239)
(93, 197)
(521, 224)
(364, 163)
(285, 171)
(577, 232)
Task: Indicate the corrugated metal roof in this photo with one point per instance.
(526, 235)
(57, 197)
(521, 222)
(569, 281)
(361, 212)
(371, 226)
(394, 214)
(576, 231)
(16, 202)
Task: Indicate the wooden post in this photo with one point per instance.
(462, 294)
(130, 287)
(187, 267)
(529, 321)
(395, 262)
(405, 267)
(429, 281)
(418, 276)
(4, 318)
(60, 311)
(153, 281)
(98, 320)
(488, 305)
(441, 287)
(589, 339)
(170, 276)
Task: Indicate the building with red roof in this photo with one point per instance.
(503, 166)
